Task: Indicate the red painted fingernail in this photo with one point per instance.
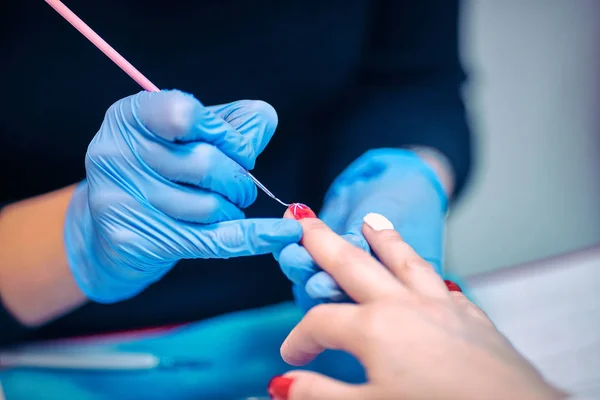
(279, 387)
(453, 287)
(301, 211)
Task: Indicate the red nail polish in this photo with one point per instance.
(453, 287)
(279, 387)
(301, 211)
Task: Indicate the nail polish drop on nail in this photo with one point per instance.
(301, 211)
(279, 387)
(453, 287)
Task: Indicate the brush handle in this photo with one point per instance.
(80, 361)
(102, 45)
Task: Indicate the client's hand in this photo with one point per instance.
(414, 337)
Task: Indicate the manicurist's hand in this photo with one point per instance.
(166, 181)
(401, 184)
(415, 338)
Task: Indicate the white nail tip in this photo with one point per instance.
(377, 221)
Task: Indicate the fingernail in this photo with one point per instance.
(377, 221)
(301, 211)
(279, 387)
(453, 287)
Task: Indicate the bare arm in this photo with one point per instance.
(36, 284)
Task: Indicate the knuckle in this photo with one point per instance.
(265, 111)
(204, 157)
(181, 112)
(391, 237)
(434, 265)
(208, 208)
(171, 114)
(478, 312)
(441, 311)
(375, 319)
(401, 245)
(460, 301)
(417, 263)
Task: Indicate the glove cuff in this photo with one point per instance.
(84, 255)
(434, 179)
(412, 157)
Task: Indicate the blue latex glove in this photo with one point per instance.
(165, 182)
(393, 182)
(237, 355)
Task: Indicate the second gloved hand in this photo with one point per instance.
(165, 182)
(396, 183)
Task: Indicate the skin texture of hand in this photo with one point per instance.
(395, 182)
(416, 339)
(36, 286)
(166, 181)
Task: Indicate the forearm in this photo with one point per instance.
(36, 284)
(408, 91)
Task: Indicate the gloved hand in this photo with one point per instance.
(393, 182)
(165, 182)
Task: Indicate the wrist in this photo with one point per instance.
(78, 238)
(93, 270)
(431, 168)
(36, 285)
(415, 169)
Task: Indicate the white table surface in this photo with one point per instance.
(550, 310)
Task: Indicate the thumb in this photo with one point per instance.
(176, 116)
(307, 385)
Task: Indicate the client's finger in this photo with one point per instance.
(299, 211)
(401, 259)
(360, 275)
(307, 385)
(326, 326)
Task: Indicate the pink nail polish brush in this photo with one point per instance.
(126, 66)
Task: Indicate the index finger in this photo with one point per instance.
(360, 275)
